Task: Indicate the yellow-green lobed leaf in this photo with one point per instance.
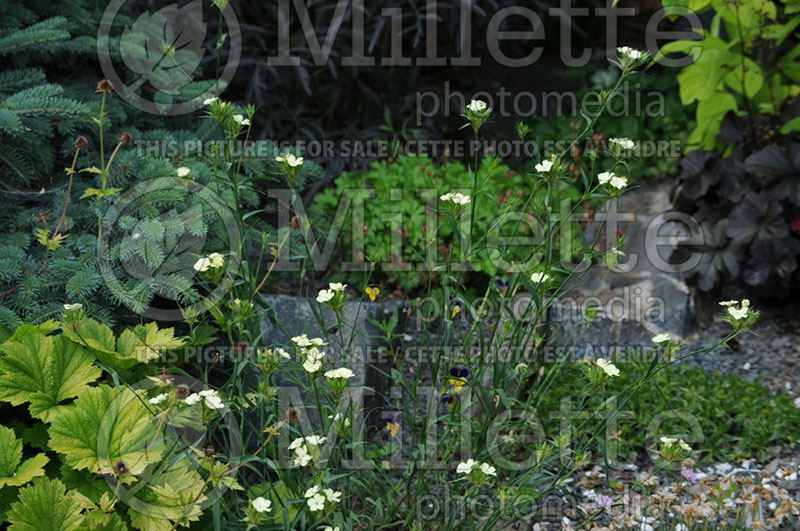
(104, 426)
(13, 471)
(44, 371)
(44, 506)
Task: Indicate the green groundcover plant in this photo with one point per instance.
(738, 419)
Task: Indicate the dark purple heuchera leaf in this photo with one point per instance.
(719, 257)
(733, 181)
(756, 217)
(699, 173)
(771, 265)
(731, 130)
(788, 187)
(696, 161)
(769, 164)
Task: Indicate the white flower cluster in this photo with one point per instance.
(539, 278)
(312, 359)
(303, 341)
(661, 338)
(326, 295)
(310, 352)
(477, 106)
(608, 367)
(158, 399)
(456, 198)
(737, 310)
(339, 418)
(214, 260)
(609, 177)
(292, 160)
(316, 497)
(306, 449)
(624, 143)
(469, 465)
(241, 120)
(544, 166)
(262, 505)
(342, 372)
(630, 53)
(210, 396)
(669, 441)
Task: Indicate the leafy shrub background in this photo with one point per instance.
(39, 122)
(503, 190)
(742, 181)
(669, 124)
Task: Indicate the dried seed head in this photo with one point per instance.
(120, 468)
(105, 85)
(295, 222)
(181, 392)
(209, 451)
(165, 375)
(242, 348)
(81, 142)
(125, 138)
(292, 415)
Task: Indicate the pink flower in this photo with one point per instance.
(689, 475)
(605, 502)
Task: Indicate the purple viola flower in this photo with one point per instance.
(458, 378)
(333, 331)
(448, 400)
(689, 475)
(407, 308)
(457, 307)
(455, 372)
(502, 286)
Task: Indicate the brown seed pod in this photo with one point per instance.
(181, 392)
(105, 85)
(292, 415)
(120, 468)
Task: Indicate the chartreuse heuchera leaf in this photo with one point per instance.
(44, 371)
(13, 471)
(106, 426)
(44, 506)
